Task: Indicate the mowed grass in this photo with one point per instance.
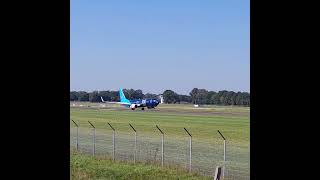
(86, 167)
(199, 122)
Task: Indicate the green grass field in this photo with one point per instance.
(202, 123)
(87, 167)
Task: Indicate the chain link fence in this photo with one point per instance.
(206, 154)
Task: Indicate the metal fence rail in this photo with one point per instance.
(187, 151)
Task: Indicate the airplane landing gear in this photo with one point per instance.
(142, 109)
(132, 109)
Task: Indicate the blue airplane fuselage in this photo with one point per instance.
(149, 103)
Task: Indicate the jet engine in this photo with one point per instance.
(133, 106)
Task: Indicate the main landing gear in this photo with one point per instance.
(142, 109)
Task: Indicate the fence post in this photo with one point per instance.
(162, 152)
(224, 150)
(217, 173)
(77, 141)
(135, 143)
(94, 139)
(190, 150)
(113, 142)
(224, 153)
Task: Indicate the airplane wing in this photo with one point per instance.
(112, 102)
(124, 103)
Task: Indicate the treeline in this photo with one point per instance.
(202, 96)
(108, 95)
(196, 96)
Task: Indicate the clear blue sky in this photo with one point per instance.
(157, 45)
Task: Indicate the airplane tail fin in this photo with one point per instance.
(123, 97)
(101, 99)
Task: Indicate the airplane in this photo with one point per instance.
(137, 103)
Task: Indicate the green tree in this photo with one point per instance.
(210, 97)
(228, 98)
(128, 93)
(246, 99)
(137, 94)
(170, 96)
(234, 98)
(219, 98)
(151, 96)
(83, 96)
(239, 98)
(114, 96)
(73, 96)
(94, 96)
(185, 98)
(194, 95)
(105, 95)
(202, 96)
